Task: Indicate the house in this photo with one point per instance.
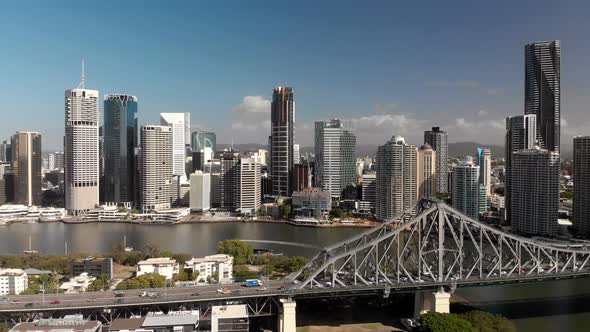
(229, 318)
(78, 284)
(164, 266)
(209, 266)
(177, 321)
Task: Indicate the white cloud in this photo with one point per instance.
(253, 104)
(482, 113)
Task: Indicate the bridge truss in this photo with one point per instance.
(436, 244)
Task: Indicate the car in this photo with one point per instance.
(91, 299)
(219, 290)
(119, 301)
(235, 292)
(261, 289)
(4, 299)
(55, 302)
(14, 302)
(282, 288)
(196, 294)
(119, 294)
(226, 291)
(29, 305)
(152, 294)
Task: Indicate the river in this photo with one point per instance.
(548, 306)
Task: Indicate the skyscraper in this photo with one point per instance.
(177, 121)
(203, 139)
(156, 168)
(582, 185)
(335, 160)
(229, 181)
(296, 154)
(484, 161)
(521, 134)
(534, 196)
(26, 167)
(542, 92)
(281, 138)
(5, 152)
(200, 197)
(369, 189)
(437, 139)
(120, 149)
(249, 186)
(426, 171)
(81, 149)
(466, 189)
(59, 160)
(397, 178)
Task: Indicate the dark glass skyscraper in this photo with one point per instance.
(542, 94)
(282, 135)
(120, 149)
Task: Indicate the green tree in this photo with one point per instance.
(487, 322)
(242, 273)
(101, 283)
(286, 211)
(338, 213)
(148, 280)
(152, 249)
(241, 251)
(437, 322)
(296, 263)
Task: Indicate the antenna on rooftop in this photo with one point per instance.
(81, 85)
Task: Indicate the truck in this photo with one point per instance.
(253, 283)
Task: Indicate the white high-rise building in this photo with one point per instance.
(178, 122)
(200, 197)
(81, 150)
(397, 178)
(249, 199)
(534, 196)
(296, 154)
(426, 171)
(369, 189)
(156, 168)
(484, 161)
(335, 161)
(465, 189)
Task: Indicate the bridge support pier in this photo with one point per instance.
(287, 316)
(438, 301)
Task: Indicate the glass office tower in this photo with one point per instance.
(120, 149)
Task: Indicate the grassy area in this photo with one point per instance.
(123, 271)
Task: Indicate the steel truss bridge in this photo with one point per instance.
(435, 244)
(428, 247)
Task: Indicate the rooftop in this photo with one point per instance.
(61, 325)
(126, 324)
(171, 319)
(158, 260)
(212, 258)
(230, 311)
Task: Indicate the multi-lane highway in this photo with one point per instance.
(134, 297)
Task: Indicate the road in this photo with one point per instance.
(132, 297)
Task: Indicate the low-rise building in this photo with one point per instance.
(173, 321)
(229, 318)
(312, 202)
(164, 266)
(95, 267)
(13, 281)
(73, 323)
(209, 266)
(77, 284)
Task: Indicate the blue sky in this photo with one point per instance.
(389, 67)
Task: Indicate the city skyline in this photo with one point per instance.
(381, 88)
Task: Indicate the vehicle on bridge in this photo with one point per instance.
(150, 294)
(253, 283)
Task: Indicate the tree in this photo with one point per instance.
(152, 249)
(101, 283)
(487, 322)
(437, 322)
(296, 263)
(241, 251)
(148, 280)
(338, 213)
(286, 211)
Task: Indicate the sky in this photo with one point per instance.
(389, 67)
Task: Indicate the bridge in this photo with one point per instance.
(427, 251)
